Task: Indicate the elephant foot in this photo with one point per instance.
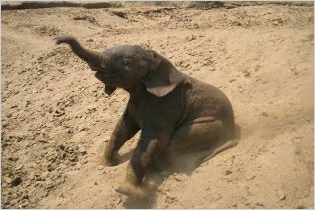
(132, 191)
(104, 160)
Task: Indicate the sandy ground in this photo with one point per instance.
(56, 118)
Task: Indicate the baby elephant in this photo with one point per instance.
(175, 113)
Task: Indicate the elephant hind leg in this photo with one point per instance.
(198, 135)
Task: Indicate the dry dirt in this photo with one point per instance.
(56, 118)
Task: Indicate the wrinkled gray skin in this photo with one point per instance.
(175, 113)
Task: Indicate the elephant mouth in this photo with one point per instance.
(107, 79)
(104, 77)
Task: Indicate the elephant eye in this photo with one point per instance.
(126, 62)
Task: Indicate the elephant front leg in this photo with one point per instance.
(150, 146)
(125, 129)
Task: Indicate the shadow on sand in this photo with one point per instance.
(166, 166)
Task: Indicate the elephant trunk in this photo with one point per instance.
(96, 59)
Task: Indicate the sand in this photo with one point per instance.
(56, 118)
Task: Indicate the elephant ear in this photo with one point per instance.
(109, 89)
(164, 78)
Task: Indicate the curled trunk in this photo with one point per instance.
(93, 58)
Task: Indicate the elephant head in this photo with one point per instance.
(128, 66)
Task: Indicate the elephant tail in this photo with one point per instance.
(225, 146)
